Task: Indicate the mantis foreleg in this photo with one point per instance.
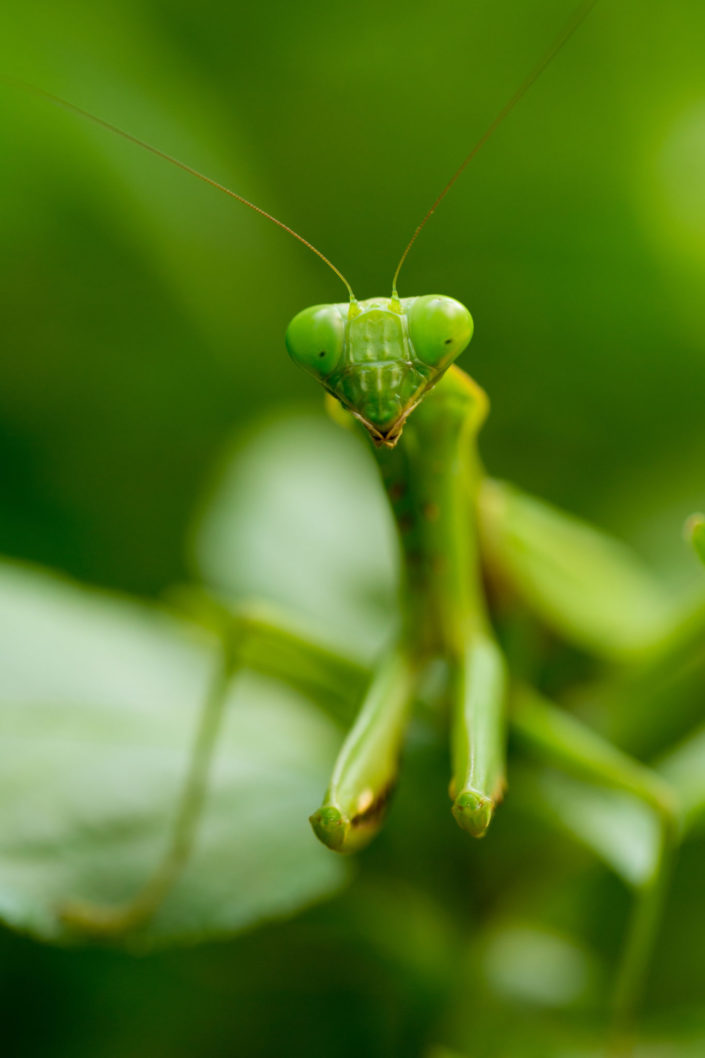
(477, 743)
(366, 769)
(431, 479)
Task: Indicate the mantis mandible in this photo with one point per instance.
(389, 363)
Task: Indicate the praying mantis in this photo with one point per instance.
(389, 364)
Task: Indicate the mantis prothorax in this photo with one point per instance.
(388, 362)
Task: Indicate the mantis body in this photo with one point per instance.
(389, 363)
(383, 360)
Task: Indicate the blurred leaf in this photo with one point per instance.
(98, 702)
(438, 1051)
(297, 517)
(589, 588)
(616, 827)
(695, 529)
(538, 966)
(684, 768)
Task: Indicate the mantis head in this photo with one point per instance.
(381, 356)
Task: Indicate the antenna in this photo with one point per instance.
(58, 101)
(575, 20)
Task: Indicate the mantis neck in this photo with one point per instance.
(431, 478)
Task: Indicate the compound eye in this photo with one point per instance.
(439, 328)
(315, 338)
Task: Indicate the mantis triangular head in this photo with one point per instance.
(381, 356)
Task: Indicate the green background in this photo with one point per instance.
(142, 320)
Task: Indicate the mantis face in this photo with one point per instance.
(379, 357)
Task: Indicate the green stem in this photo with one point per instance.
(638, 947)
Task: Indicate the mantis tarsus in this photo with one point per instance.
(386, 360)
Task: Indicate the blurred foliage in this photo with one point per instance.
(93, 750)
(142, 320)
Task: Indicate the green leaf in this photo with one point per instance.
(99, 699)
(297, 517)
